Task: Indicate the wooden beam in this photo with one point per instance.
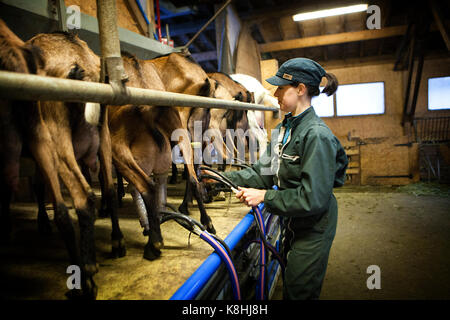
(322, 32)
(438, 19)
(333, 39)
(150, 9)
(139, 18)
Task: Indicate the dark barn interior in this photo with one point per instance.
(394, 207)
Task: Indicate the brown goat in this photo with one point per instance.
(234, 119)
(66, 56)
(182, 75)
(141, 146)
(21, 126)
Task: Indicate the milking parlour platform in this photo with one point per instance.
(35, 266)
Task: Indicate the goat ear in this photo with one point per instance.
(76, 73)
(251, 96)
(205, 89)
(33, 57)
(239, 97)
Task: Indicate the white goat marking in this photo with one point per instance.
(92, 113)
(262, 96)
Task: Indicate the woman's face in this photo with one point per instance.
(287, 98)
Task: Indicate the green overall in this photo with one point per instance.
(308, 162)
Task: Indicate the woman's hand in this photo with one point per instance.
(251, 197)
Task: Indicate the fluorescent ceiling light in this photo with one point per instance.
(330, 12)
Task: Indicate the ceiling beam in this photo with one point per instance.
(439, 21)
(330, 39)
(271, 12)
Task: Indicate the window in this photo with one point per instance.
(323, 104)
(360, 99)
(439, 93)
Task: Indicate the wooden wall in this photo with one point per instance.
(378, 135)
(125, 17)
(268, 69)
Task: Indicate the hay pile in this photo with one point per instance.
(426, 189)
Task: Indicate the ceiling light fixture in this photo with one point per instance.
(330, 12)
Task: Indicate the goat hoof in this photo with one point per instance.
(184, 210)
(151, 252)
(88, 292)
(118, 250)
(44, 228)
(74, 294)
(210, 228)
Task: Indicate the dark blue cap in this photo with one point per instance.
(301, 70)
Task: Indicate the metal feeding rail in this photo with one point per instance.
(18, 86)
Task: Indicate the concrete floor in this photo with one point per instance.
(407, 236)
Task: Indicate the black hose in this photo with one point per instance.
(229, 182)
(240, 165)
(241, 162)
(188, 223)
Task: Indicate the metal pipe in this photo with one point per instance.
(408, 82)
(158, 17)
(62, 15)
(110, 43)
(186, 46)
(18, 86)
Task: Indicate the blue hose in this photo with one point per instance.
(191, 287)
(200, 277)
(228, 263)
(260, 295)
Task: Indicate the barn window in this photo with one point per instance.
(323, 104)
(360, 99)
(439, 93)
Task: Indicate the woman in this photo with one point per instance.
(306, 163)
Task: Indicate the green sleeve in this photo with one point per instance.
(259, 176)
(317, 175)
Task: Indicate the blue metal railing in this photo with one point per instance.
(195, 283)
